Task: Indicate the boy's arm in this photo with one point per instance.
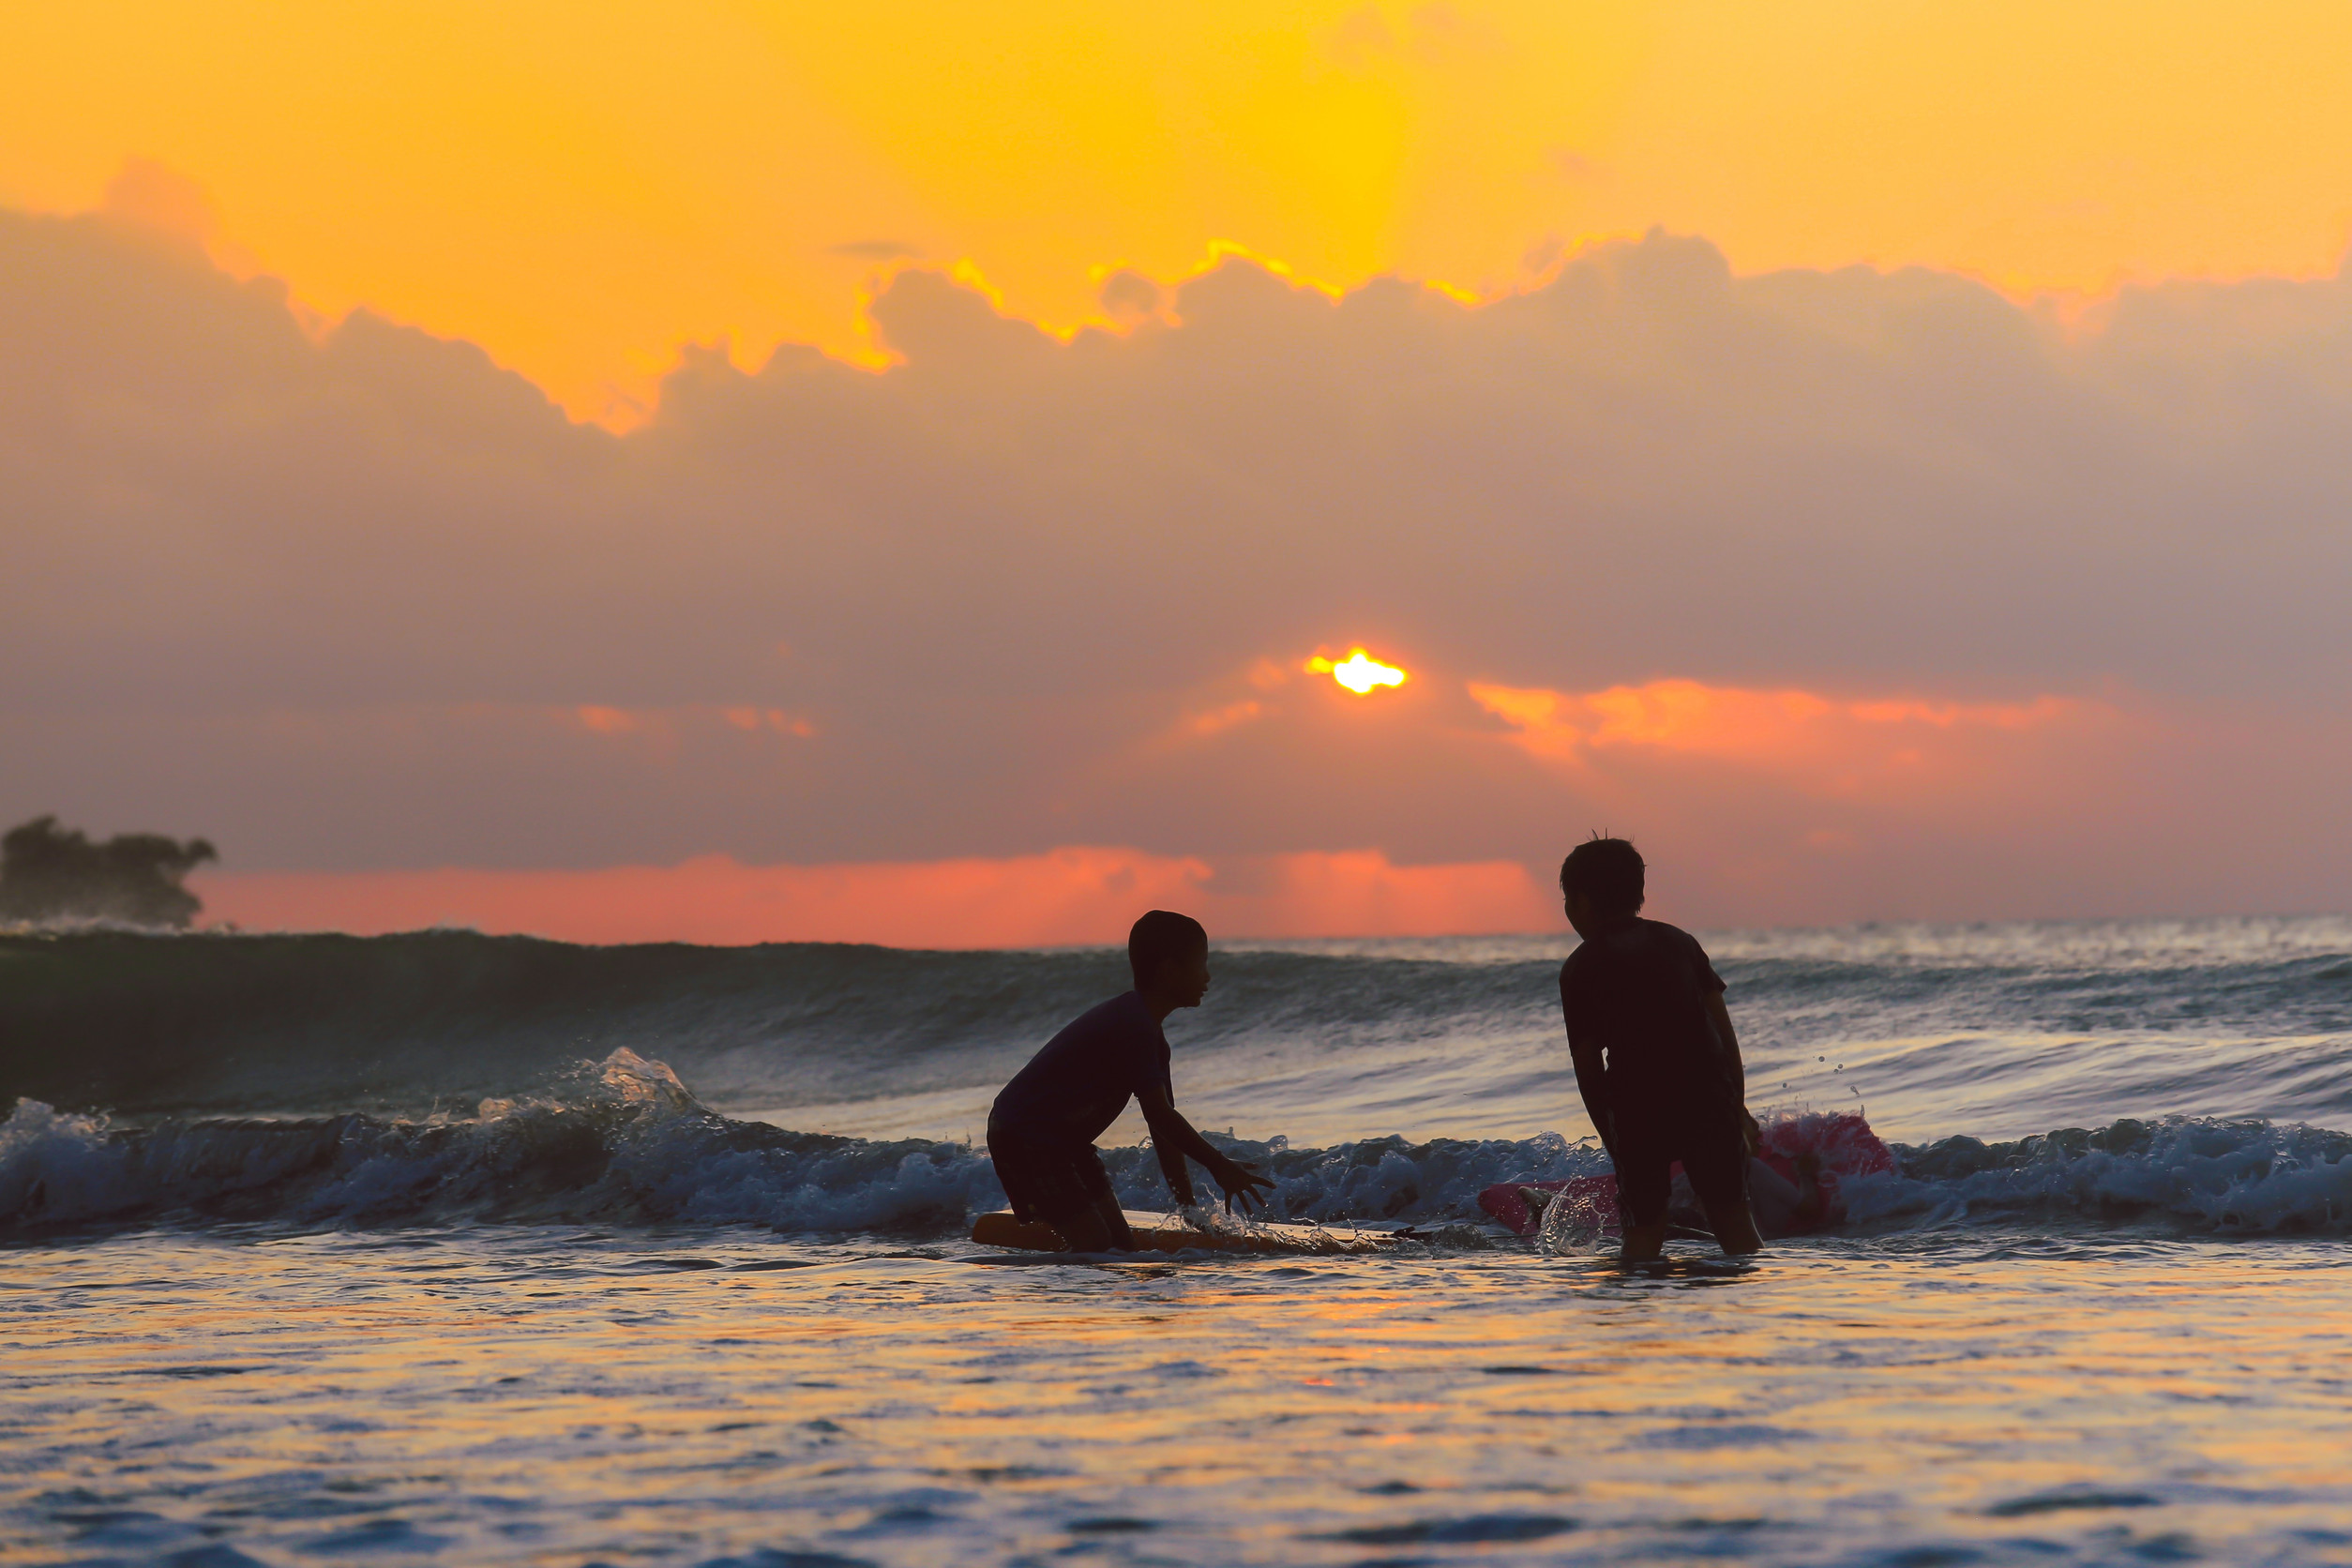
(1168, 1144)
(1721, 1014)
(1717, 1010)
(1592, 1079)
(1173, 1139)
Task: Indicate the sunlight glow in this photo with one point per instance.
(621, 192)
(1359, 672)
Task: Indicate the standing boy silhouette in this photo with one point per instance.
(1656, 1059)
(1043, 1127)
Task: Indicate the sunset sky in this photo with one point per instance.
(582, 187)
(737, 470)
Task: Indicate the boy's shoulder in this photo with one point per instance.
(1112, 1013)
(1126, 1016)
(1636, 940)
(1658, 931)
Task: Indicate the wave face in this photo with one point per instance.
(1951, 1027)
(141, 1023)
(2190, 1068)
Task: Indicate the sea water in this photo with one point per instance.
(455, 1249)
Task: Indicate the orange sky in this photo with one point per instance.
(582, 187)
(1861, 593)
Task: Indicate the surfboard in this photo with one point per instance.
(1170, 1233)
(1842, 1141)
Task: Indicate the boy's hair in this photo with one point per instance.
(1159, 936)
(1609, 871)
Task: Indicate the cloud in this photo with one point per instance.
(1128, 295)
(667, 723)
(1834, 745)
(361, 599)
(160, 200)
(1206, 724)
(1797, 797)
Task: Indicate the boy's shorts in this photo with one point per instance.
(1707, 1142)
(1050, 1182)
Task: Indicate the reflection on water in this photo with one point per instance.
(544, 1397)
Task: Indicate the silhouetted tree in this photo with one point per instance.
(52, 873)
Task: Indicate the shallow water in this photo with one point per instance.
(413, 1250)
(520, 1394)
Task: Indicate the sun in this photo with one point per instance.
(1359, 671)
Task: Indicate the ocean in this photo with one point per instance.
(451, 1248)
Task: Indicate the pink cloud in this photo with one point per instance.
(607, 721)
(1826, 744)
(1206, 724)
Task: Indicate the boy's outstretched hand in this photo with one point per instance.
(1177, 1139)
(1240, 1182)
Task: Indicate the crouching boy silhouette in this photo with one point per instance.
(1043, 1127)
(1656, 1059)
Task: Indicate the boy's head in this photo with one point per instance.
(1163, 941)
(1602, 879)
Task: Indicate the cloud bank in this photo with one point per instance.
(1851, 594)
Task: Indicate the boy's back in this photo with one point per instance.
(1638, 992)
(1077, 1086)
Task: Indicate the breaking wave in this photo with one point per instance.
(624, 1144)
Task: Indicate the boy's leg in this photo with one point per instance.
(1088, 1215)
(1734, 1228)
(1012, 1156)
(1716, 1162)
(1644, 1244)
(1644, 1181)
(1103, 1203)
(1063, 1187)
(1090, 1232)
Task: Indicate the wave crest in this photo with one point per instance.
(2236, 1177)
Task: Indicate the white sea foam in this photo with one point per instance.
(310, 1080)
(2224, 1177)
(627, 1143)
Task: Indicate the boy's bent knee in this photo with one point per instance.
(1087, 1233)
(1102, 1228)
